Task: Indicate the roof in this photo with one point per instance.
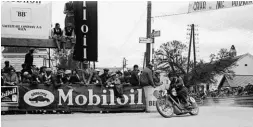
(20, 50)
(238, 80)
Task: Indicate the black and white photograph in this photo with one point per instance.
(126, 63)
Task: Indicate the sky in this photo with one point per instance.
(120, 24)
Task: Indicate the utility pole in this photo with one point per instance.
(192, 40)
(148, 48)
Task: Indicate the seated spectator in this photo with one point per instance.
(2, 77)
(135, 80)
(105, 76)
(95, 78)
(7, 65)
(69, 35)
(74, 77)
(56, 34)
(67, 77)
(127, 77)
(23, 70)
(11, 77)
(48, 78)
(35, 76)
(58, 80)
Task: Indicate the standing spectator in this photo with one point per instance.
(74, 77)
(29, 60)
(69, 35)
(135, 80)
(56, 34)
(146, 78)
(69, 11)
(105, 76)
(11, 77)
(157, 78)
(7, 65)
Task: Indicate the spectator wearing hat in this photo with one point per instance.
(67, 77)
(114, 83)
(48, 77)
(146, 78)
(105, 76)
(29, 60)
(7, 65)
(135, 80)
(11, 77)
(95, 78)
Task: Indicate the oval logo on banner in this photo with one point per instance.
(39, 98)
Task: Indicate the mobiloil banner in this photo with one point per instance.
(80, 98)
(197, 6)
(26, 19)
(9, 94)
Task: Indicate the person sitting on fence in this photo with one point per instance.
(67, 77)
(75, 78)
(56, 34)
(7, 65)
(11, 77)
(69, 35)
(48, 77)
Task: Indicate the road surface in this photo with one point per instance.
(208, 117)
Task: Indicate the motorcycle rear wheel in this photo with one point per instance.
(165, 110)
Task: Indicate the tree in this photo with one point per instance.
(170, 59)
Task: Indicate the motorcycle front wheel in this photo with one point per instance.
(164, 109)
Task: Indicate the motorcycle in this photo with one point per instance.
(168, 104)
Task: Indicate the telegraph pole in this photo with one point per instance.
(148, 48)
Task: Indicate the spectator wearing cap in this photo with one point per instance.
(105, 76)
(114, 83)
(48, 78)
(7, 65)
(95, 78)
(146, 78)
(11, 77)
(66, 78)
(135, 80)
(29, 60)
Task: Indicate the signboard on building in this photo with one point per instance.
(197, 6)
(86, 47)
(26, 19)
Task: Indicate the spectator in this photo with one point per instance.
(67, 77)
(56, 34)
(74, 77)
(96, 79)
(114, 83)
(23, 70)
(135, 80)
(11, 77)
(7, 65)
(88, 72)
(48, 78)
(105, 76)
(2, 77)
(69, 11)
(42, 72)
(146, 78)
(27, 78)
(29, 60)
(68, 34)
(35, 77)
(58, 80)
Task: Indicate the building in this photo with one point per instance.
(243, 73)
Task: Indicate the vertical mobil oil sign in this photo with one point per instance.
(86, 29)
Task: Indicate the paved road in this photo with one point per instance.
(208, 117)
